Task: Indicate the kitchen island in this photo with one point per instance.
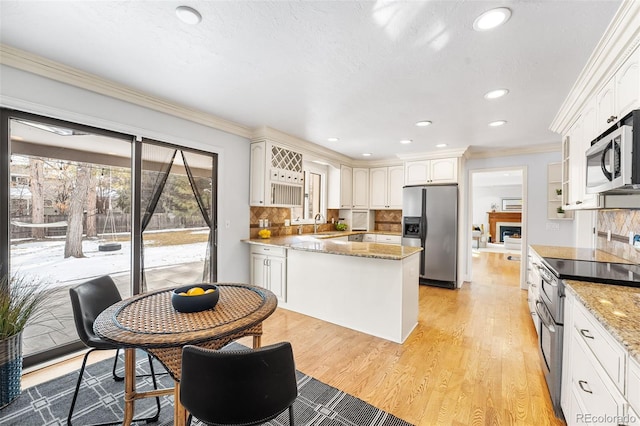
(369, 287)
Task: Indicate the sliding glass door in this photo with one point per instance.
(78, 207)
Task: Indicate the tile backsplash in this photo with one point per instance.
(277, 216)
(388, 220)
(620, 223)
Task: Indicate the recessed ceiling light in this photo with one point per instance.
(497, 123)
(491, 19)
(441, 145)
(333, 139)
(366, 154)
(188, 15)
(406, 141)
(495, 94)
(423, 123)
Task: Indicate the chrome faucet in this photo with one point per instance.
(315, 222)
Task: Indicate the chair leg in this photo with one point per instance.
(115, 363)
(189, 419)
(155, 386)
(291, 421)
(115, 377)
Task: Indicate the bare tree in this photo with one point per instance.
(73, 243)
(36, 186)
(92, 210)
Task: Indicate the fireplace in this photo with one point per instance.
(496, 219)
(509, 231)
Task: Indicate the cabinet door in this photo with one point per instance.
(346, 187)
(444, 170)
(378, 188)
(578, 163)
(605, 106)
(589, 133)
(257, 182)
(395, 182)
(417, 172)
(360, 188)
(277, 270)
(259, 270)
(628, 85)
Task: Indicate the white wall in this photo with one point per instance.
(485, 196)
(24, 91)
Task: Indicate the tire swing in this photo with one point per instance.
(113, 245)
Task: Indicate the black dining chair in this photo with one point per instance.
(88, 300)
(244, 387)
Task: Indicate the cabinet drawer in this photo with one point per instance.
(369, 238)
(388, 239)
(633, 384)
(268, 250)
(606, 350)
(589, 386)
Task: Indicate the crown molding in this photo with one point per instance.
(618, 42)
(473, 153)
(431, 155)
(38, 65)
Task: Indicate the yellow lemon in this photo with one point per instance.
(195, 291)
(182, 294)
(210, 290)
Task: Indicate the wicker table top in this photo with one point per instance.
(149, 321)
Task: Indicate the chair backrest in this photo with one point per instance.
(238, 387)
(88, 300)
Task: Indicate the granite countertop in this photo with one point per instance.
(616, 307)
(322, 243)
(573, 253)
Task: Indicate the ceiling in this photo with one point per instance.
(362, 71)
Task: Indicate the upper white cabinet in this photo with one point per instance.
(346, 187)
(360, 188)
(627, 88)
(385, 185)
(441, 170)
(620, 95)
(277, 177)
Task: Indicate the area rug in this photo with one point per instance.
(101, 400)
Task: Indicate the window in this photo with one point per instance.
(315, 194)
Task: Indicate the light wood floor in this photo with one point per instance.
(472, 360)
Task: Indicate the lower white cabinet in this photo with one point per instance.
(269, 269)
(388, 239)
(597, 386)
(369, 238)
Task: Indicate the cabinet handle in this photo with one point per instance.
(611, 119)
(578, 202)
(582, 383)
(586, 334)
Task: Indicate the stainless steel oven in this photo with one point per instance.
(550, 310)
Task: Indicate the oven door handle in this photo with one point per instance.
(549, 326)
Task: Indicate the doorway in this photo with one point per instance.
(497, 213)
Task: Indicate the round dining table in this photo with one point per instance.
(148, 321)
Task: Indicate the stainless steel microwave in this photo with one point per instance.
(613, 161)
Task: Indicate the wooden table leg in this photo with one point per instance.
(179, 413)
(257, 341)
(129, 385)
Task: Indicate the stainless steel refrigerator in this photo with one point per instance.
(430, 221)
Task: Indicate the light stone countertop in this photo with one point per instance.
(573, 253)
(616, 307)
(322, 243)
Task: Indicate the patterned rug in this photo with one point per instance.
(101, 400)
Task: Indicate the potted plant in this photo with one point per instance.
(21, 302)
(559, 193)
(560, 211)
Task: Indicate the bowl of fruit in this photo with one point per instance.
(195, 297)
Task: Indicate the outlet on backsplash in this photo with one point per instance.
(623, 225)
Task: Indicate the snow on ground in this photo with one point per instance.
(45, 259)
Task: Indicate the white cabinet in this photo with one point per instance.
(627, 90)
(441, 170)
(258, 176)
(346, 187)
(554, 199)
(369, 238)
(360, 188)
(594, 369)
(269, 269)
(385, 185)
(276, 176)
(620, 95)
(388, 239)
(533, 286)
